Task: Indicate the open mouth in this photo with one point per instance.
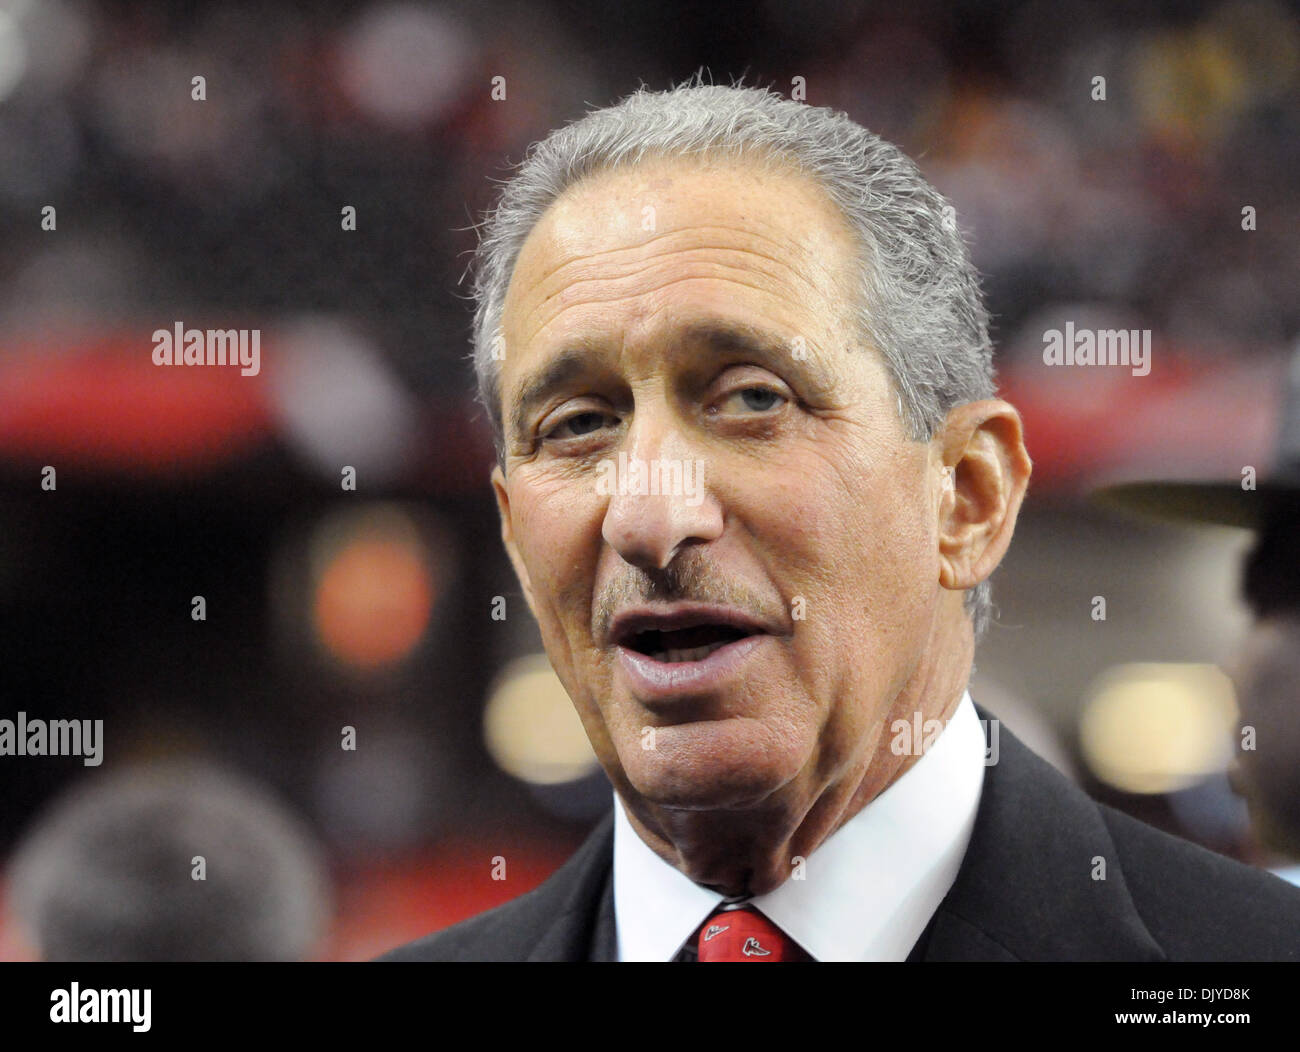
(674, 646)
(666, 655)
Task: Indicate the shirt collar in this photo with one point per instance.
(866, 894)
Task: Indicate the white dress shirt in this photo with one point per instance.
(868, 891)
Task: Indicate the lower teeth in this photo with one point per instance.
(694, 654)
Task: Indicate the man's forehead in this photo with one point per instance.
(771, 239)
(609, 221)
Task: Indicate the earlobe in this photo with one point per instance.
(508, 537)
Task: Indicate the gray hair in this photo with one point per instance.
(920, 301)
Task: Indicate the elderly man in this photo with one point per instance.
(719, 286)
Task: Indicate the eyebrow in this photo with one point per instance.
(564, 367)
(719, 336)
(737, 336)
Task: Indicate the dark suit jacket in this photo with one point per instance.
(1025, 891)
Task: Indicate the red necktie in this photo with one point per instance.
(745, 935)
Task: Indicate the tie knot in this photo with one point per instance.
(745, 935)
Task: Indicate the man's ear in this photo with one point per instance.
(987, 469)
(508, 536)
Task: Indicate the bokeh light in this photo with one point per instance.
(531, 728)
(1157, 728)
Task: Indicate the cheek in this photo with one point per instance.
(856, 541)
(554, 533)
(876, 591)
(858, 538)
(555, 530)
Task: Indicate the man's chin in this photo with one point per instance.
(706, 783)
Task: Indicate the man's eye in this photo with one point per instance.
(578, 425)
(755, 399)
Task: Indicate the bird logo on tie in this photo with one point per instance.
(744, 934)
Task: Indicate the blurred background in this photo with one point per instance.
(390, 612)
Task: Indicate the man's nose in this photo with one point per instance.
(662, 501)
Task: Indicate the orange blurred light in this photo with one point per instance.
(373, 599)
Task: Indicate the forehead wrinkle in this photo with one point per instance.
(781, 245)
(784, 281)
(742, 276)
(779, 253)
(840, 284)
(637, 266)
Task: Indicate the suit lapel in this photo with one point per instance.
(604, 937)
(580, 904)
(1027, 887)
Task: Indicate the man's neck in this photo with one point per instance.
(753, 851)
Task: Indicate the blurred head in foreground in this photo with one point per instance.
(169, 863)
(752, 476)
